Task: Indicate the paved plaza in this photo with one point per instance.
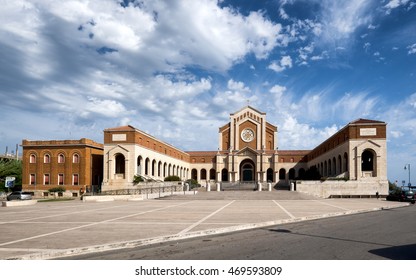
(57, 229)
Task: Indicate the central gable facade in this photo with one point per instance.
(248, 128)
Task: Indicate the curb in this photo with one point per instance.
(161, 239)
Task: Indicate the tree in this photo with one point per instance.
(10, 168)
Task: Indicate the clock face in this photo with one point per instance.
(247, 135)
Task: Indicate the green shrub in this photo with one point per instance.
(137, 179)
(172, 178)
(193, 183)
(57, 189)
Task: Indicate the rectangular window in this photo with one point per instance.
(60, 179)
(46, 180)
(75, 179)
(32, 179)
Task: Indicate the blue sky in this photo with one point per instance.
(177, 69)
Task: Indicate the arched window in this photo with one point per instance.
(282, 174)
(139, 165)
(212, 174)
(159, 169)
(329, 168)
(292, 174)
(146, 166)
(345, 162)
(75, 158)
(269, 175)
(224, 175)
(32, 158)
(203, 174)
(339, 164)
(46, 158)
(61, 158)
(194, 174)
(153, 167)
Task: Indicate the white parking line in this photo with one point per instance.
(57, 215)
(287, 212)
(92, 224)
(339, 207)
(205, 218)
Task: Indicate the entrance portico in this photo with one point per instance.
(247, 170)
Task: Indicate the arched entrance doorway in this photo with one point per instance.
(368, 164)
(120, 168)
(247, 169)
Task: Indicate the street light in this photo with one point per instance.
(407, 166)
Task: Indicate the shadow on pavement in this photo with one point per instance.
(404, 252)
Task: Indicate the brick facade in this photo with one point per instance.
(72, 164)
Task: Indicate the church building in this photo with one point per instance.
(248, 152)
(350, 162)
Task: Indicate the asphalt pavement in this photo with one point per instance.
(49, 230)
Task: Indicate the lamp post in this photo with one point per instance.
(407, 166)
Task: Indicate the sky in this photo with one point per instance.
(178, 69)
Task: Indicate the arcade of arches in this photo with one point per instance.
(248, 152)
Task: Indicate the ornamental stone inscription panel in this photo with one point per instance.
(119, 137)
(368, 131)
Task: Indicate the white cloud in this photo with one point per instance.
(355, 105)
(412, 49)
(283, 14)
(95, 63)
(292, 134)
(237, 86)
(367, 46)
(107, 108)
(393, 4)
(323, 55)
(284, 63)
(340, 19)
(278, 90)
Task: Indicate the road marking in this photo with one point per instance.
(92, 224)
(23, 250)
(339, 207)
(204, 219)
(57, 215)
(287, 212)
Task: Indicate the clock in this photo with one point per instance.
(247, 135)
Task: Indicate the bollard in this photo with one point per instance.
(269, 185)
(260, 186)
(218, 187)
(208, 187)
